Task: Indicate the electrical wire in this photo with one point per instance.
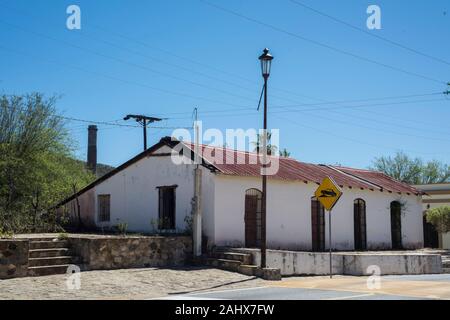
(321, 44)
(372, 34)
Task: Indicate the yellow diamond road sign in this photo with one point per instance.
(328, 193)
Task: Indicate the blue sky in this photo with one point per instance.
(163, 58)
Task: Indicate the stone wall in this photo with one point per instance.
(13, 258)
(115, 252)
(96, 252)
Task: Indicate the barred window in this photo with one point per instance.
(104, 207)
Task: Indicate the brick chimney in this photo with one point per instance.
(92, 149)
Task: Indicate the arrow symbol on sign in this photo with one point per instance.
(328, 193)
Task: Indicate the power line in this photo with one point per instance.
(396, 124)
(291, 110)
(326, 102)
(119, 60)
(337, 135)
(191, 71)
(321, 44)
(105, 123)
(184, 58)
(377, 129)
(39, 58)
(152, 70)
(142, 55)
(374, 35)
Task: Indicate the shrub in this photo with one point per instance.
(63, 236)
(5, 234)
(440, 218)
(122, 228)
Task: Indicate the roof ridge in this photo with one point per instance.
(354, 177)
(240, 151)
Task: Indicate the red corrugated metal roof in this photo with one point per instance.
(241, 163)
(385, 182)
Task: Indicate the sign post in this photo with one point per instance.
(328, 193)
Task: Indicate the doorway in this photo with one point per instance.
(359, 223)
(396, 225)
(253, 208)
(318, 225)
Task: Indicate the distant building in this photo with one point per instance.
(152, 192)
(436, 195)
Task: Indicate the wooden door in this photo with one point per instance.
(396, 225)
(318, 225)
(359, 222)
(252, 218)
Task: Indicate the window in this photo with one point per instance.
(166, 208)
(318, 225)
(104, 207)
(359, 222)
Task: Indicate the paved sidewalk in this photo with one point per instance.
(208, 283)
(126, 284)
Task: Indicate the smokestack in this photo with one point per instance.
(92, 149)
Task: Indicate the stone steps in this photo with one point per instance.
(47, 270)
(227, 259)
(50, 261)
(48, 244)
(245, 258)
(445, 262)
(225, 264)
(49, 256)
(52, 252)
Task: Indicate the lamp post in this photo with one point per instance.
(266, 62)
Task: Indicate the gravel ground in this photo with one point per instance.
(126, 284)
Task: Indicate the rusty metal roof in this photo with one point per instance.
(241, 163)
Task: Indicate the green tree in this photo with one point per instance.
(271, 149)
(412, 170)
(439, 218)
(285, 153)
(37, 167)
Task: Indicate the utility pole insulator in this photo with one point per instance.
(448, 91)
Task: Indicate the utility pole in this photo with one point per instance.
(144, 121)
(197, 219)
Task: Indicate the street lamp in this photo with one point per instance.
(266, 63)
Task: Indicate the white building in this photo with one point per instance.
(152, 192)
(435, 195)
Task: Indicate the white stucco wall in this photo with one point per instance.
(134, 193)
(289, 215)
(355, 263)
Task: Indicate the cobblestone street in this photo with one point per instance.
(126, 284)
